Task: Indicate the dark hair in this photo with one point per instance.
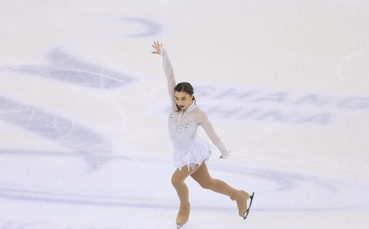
(185, 87)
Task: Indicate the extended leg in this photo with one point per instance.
(203, 177)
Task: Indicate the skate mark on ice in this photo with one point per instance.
(288, 186)
(151, 28)
(66, 68)
(82, 141)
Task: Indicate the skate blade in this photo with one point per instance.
(180, 226)
(248, 209)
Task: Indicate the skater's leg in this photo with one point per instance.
(178, 178)
(203, 177)
(182, 191)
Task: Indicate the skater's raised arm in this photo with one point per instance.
(168, 69)
(208, 127)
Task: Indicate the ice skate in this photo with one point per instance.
(241, 198)
(248, 209)
(180, 226)
(183, 214)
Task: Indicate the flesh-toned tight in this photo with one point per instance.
(202, 176)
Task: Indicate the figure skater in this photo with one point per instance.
(191, 151)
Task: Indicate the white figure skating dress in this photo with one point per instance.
(188, 148)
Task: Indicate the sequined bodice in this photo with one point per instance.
(182, 128)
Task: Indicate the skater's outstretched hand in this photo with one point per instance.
(157, 47)
(221, 157)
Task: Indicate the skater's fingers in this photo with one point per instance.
(157, 46)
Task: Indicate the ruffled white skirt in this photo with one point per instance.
(195, 153)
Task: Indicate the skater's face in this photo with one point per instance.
(183, 99)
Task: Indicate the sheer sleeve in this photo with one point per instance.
(169, 73)
(208, 127)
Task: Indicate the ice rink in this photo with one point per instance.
(84, 142)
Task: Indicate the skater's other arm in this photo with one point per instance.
(208, 127)
(168, 69)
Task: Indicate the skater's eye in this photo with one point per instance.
(183, 98)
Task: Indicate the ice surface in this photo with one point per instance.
(84, 105)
